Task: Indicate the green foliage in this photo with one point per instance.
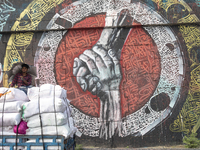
(79, 147)
(191, 141)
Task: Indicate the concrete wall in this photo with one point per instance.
(131, 68)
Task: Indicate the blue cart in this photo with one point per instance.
(57, 142)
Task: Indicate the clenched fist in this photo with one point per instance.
(97, 70)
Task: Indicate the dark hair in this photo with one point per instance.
(25, 65)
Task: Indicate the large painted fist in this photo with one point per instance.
(97, 70)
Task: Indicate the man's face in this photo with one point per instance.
(24, 70)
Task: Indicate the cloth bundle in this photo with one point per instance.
(46, 90)
(12, 94)
(11, 100)
(48, 111)
(44, 110)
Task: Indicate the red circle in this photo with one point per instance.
(140, 66)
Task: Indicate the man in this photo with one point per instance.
(22, 79)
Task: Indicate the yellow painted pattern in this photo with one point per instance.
(165, 5)
(187, 120)
(17, 44)
(189, 115)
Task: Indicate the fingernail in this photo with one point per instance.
(111, 53)
(83, 87)
(75, 64)
(98, 85)
(95, 79)
(94, 90)
(95, 47)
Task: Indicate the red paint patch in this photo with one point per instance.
(140, 67)
(74, 43)
(141, 70)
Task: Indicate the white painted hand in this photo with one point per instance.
(97, 70)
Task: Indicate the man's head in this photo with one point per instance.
(25, 68)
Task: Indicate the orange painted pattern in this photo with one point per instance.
(73, 44)
(2, 94)
(140, 70)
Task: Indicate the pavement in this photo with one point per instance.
(145, 148)
(177, 147)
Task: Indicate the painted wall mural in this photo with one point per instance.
(128, 66)
(98, 70)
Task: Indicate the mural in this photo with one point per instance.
(5, 9)
(98, 70)
(128, 66)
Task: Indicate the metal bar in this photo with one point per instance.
(70, 142)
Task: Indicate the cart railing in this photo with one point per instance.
(44, 142)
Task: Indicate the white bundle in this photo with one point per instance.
(33, 147)
(43, 105)
(50, 130)
(46, 90)
(68, 108)
(73, 129)
(9, 131)
(10, 119)
(12, 94)
(11, 107)
(47, 119)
